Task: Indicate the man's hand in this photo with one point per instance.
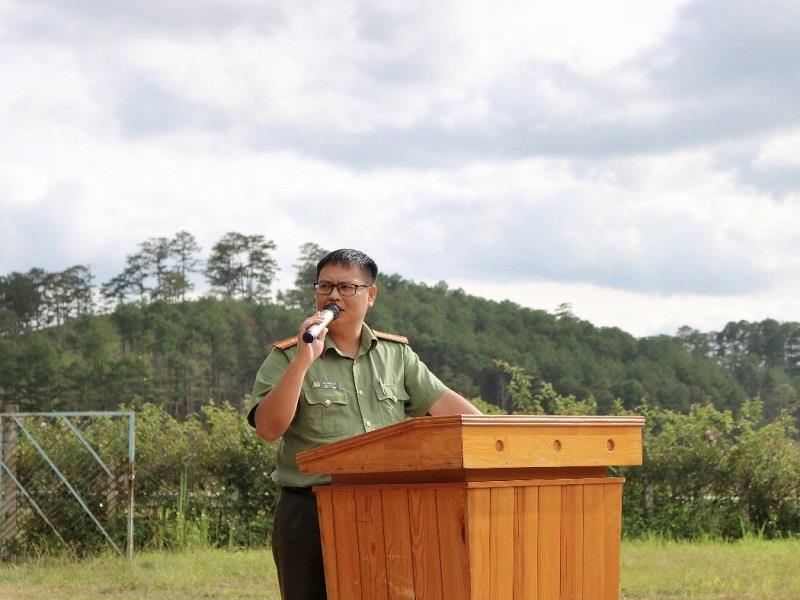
(277, 409)
(308, 353)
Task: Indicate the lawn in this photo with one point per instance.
(651, 570)
(746, 570)
(203, 573)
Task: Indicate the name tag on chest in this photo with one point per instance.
(326, 385)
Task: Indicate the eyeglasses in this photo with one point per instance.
(323, 288)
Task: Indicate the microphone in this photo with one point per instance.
(329, 313)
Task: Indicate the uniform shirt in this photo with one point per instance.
(342, 397)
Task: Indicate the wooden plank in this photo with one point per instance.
(542, 482)
(436, 477)
(495, 446)
(397, 536)
(571, 542)
(497, 442)
(549, 568)
(613, 535)
(346, 534)
(425, 544)
(478, 535)
(526, 540)
(469, 421)
(371, 552)
(501, 542)
(435, 444)
(454, 558)
(432, 477)
(526, 474)
(594, 541)
(328, 536)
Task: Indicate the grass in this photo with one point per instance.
(750, 569)
(651, 570)
(204, 573)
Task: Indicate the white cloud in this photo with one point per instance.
(573, 152)
(780, 151)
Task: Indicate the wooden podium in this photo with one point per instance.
(475, 508)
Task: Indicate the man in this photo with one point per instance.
(349, 380)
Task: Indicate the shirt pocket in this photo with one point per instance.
(392, 398)
(325, 412)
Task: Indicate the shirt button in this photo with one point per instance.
(368, 423)
(360, 392)
(327, 402)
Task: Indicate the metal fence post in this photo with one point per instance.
(131, 476)
(8, 454)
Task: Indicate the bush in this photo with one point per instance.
(208, 473)
(708, 473)
(206, 480)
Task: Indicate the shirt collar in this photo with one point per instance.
(368, 342)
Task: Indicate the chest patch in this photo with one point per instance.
(326, 385)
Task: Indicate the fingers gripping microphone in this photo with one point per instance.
(329, 313)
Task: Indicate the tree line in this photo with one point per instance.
(67, 344)
(239, 267)
(763, 357)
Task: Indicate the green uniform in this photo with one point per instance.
(342, 397)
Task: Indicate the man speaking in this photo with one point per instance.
(345, 380)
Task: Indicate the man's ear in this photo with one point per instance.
(372, 293)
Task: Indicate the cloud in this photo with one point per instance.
(768, 166)
(719, 48)
(647, 150)
(374, 85)
(728, 70)
(67, 19)
(147, 108)
(587, 229)
(383, 84)
(46, 233)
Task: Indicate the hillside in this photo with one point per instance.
(182, 355)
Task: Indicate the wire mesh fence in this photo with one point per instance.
(66, 482)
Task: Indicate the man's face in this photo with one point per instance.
(353, 309)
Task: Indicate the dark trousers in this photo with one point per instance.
(296, 547)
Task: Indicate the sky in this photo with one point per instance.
(637, 160)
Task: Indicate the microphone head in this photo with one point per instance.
(311, 333)
(332, 308)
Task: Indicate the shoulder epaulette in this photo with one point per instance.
(390, 336)
(287, 343)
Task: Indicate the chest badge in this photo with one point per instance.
(326, 385)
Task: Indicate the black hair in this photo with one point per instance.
(349, 257)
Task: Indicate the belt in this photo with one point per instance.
(306, 491)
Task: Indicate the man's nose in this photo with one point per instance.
(334, 295)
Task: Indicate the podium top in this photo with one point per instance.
(467, 442)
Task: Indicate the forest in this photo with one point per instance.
(147, 336)
(722, 455)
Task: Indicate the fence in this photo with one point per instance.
(66, 480)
